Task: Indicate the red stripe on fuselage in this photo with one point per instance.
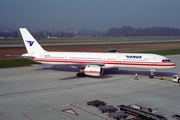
(93, 72)
(70, 61)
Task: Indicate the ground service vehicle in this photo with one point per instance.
(96, 103)
(118, 115)
(112, 50)
(107, 108)
(136, 106)
(176, 78)
(144, 115)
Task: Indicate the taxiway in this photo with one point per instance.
(51, 93)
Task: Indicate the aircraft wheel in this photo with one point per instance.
(82, 74)
(151, 76)
(78, 74)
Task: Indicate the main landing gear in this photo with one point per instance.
(81, 73)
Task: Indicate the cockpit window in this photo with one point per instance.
(166, 60)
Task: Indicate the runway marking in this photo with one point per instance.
(27, 116)
(4, 116)
(70, 111)
(58, 106)
(89, 112)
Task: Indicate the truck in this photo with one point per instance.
(176, 78)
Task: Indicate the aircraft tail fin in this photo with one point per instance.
(32, 46)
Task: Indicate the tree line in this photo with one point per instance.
(37, 34)
(148, 31)
(112, 32)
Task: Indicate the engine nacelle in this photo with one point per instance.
(93, 70)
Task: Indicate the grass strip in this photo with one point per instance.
(162, 52)
(17, 62)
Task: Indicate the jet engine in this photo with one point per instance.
(93, 70)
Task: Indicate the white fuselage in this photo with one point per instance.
(107, 60)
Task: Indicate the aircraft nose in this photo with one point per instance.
(173, 65)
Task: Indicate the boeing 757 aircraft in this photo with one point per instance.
(90, 63)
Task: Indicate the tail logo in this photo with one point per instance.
(30, 42)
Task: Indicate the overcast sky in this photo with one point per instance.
(88, 14)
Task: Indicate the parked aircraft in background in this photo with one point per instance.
(52, 37)
(90, 63)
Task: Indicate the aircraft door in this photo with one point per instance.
(118, 59)
(154, 61)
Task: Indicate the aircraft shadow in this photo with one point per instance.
(55, 68)
(139, 72)
(75, 77)
(70, 69)
(108, 73)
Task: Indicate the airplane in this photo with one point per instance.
(92, 63)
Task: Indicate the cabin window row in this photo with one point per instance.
(48, 56)
(85, 58)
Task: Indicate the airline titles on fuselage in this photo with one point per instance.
(133, 56)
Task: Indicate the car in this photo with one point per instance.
(176, 78)
(107, 108)
(96, 103)
(117, 115)
(112, 50)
